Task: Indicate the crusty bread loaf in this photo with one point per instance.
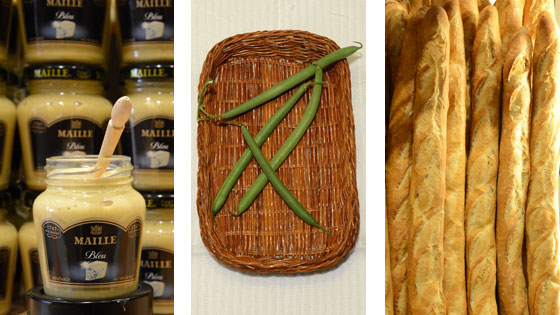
(482, 167)
(469, 15)
(532, 10)
(395, 23)
(399, 160)
(427, 181)
(388, 280)
(511, 19)
(454, 285)
(513, 176)
(542, 202)
(415, 5)
(482, 4)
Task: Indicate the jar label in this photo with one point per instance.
(68, 20)
(35, 267)
(146, 20)
(3, 131)
(93, 252)
(5, 7)
(149, 143)
(156, 269)
(68, 136)
(4, 271)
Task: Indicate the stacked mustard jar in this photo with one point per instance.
(65, 114)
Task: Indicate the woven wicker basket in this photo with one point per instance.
(321, 172)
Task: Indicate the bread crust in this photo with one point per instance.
(388, 280)
(482, 167)
(541, 225)
(513, 175)
(454, 285)
(531, 12)
(396, 17)
(511, 19)
(399, 161)
(427, 185)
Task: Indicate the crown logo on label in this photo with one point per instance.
(83, 74)
(96, 229)
(153, 254)
(158, 123)
(76, 124)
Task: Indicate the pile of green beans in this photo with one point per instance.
(269, 168)
(282, 190)
(261, 137)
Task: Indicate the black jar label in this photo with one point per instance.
(156, 269)
(68, 136)
(149, 143)
(68, 20)
(4, 271)
(3, 131)
(5, 7)
(35, 267)
(146, 20)
(92, 252)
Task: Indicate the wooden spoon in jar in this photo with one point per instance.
(119, 116)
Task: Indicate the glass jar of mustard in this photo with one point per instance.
(156, 265)
(65, 114)
(89, 230)
(7, 129)
(63, 30)
(8, 255)
(29, 252)
(146, 28)
(148, 137)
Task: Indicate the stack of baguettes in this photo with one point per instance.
(473, 152)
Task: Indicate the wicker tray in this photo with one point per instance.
(321, 172)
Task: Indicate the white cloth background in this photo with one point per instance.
(218, 289)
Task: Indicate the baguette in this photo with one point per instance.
(532, 10)
(415, 5)
(542, 202)
(395, 24)
(511, 19)
(482, 167)
(388, 280)
(513, 175)
(454, 286)
(482, 4)
(399, 161)
(469, 15)
(427, 181)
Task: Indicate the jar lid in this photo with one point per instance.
(5, 199)
(64, 72)
(29, 197)
(138, 302)
(159, 200)
(148, 72)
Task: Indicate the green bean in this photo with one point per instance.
(290, 82)
(287, 147)
(282, 190)
(261, 137)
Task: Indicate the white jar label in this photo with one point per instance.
(156, 269)
(149, 142)
(67, 136)
(92, 252)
